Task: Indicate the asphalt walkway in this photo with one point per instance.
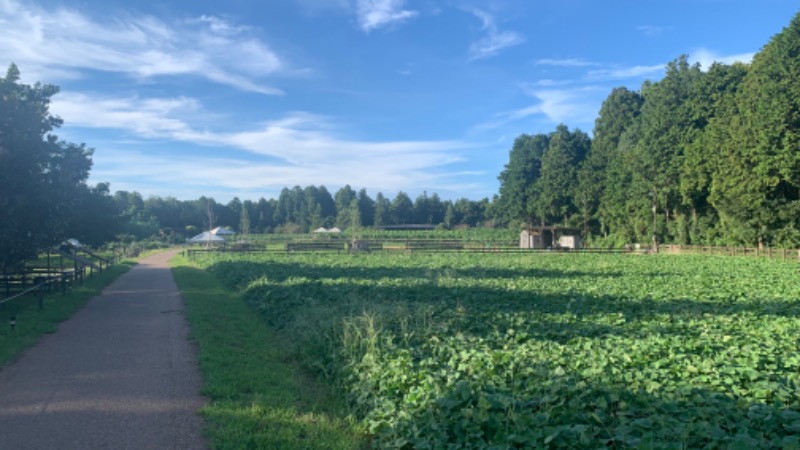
(120, 374)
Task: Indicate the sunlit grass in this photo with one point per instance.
(258, 397)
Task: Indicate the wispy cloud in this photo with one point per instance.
(297, 148)
(577, 106)
(265, 176)
(619, 73)
(707, 57)
(63, 43)
(571, 62)
(374, 14)
(568, 105)
(652, 30)
(547, 82)
(494, 39)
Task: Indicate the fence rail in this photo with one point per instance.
(451, 246)
(411, 246)
(785, 254)
(53, 276)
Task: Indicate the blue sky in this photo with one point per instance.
(241, 98)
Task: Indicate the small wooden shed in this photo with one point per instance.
(570, 241)
(542, 237)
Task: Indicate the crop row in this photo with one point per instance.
(560, 351)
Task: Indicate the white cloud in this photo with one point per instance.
(374, 14)
(568, 105)
(263, 176)
(626, 72)
(572, 62)
(298, 148)
(551, 83)
(576, 106)
(63, 43)
(144, 117)
(706, 58)
(494, 40)
(221, 27)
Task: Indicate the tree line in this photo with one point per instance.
(699, 157)
(296, 210)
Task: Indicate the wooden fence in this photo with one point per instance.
(767, 252)
(455, 246)
(52, 274)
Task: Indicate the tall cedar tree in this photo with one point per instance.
(518, 178)
(756, 188)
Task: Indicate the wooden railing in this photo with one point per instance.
(766, 252)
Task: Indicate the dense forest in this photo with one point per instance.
(702, 156)
(699, 157)
(296, 210)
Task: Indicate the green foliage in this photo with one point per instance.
(555, 188)
(538, 351)
(401, 209)
(43, 194)
(757, 181)
(518, 179)
(258, 398)
(604, 177)
(694, 158)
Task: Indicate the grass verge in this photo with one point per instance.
(32, 322)
(258, 397)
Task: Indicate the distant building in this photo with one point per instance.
(549, 237)
(569, 241)
(327, 230)
(219, 231)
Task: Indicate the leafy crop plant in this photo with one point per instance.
(543, 351)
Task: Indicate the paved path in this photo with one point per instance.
(120, 374)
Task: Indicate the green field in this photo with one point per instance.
(558, 351)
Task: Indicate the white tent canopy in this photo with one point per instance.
(219, 231)
(206, 236)
(327, 230)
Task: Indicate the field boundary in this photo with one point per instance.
(767, 252)
(450, 246)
